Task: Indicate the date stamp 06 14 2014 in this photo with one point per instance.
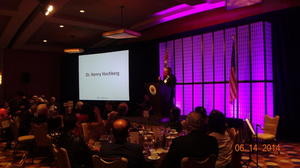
(269, 148)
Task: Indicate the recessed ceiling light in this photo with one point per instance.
(45, 41)
(82, 11)
(61, 26)
(73, 50)
(49, 10)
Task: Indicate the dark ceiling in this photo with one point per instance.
(24, 26)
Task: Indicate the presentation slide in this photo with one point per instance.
(104, 76)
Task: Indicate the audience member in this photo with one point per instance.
(121, 148)
(42, 112)
(108, 107)
(3, 113)
(78, 107)
(202, 111)
(175, 119)
(217, 127)
(78, 151)
(195, 144)
(123, 109)
(53, 107)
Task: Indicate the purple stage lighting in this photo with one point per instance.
(201, 64)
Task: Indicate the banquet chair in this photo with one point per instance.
(191, 162)
(27, 141)
(61, 158)
(235, 156)
(269, 129)
(40, 132)
(92, 130)
(4, 126)
(99, 162)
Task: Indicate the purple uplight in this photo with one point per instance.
(195, 9)
(201, 64)
(172, 9)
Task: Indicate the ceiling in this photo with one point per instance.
(24, 26)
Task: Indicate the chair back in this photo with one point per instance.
(99, 162)
(190, 162)
(271, 124)
(235, 156)
(92, 130)
(40, 132)
(61, 158)
(5, 123)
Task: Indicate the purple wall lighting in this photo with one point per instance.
(177, 12)
(201, 64)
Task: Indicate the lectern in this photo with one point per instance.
(160, 97)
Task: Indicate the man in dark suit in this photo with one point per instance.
(121, 148)
(169, 80)
(195, 144)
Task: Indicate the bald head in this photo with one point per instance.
(120, 130)
(42, 109)
(120, 124)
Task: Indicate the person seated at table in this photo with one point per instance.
(42, 112)
(108, 107)
(218, 129)
(78, 151)
(175, 119)
(111, 117)
(202, 111)
(195, 144)
(121, 148)
(123, 109)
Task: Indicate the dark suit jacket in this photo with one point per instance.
(79, 153)
(133, 152)
(195, 144)
(170, 81)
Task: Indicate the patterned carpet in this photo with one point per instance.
(289, 157)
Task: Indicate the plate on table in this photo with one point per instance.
(153, 157)
(161, 150)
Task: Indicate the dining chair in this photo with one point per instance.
(192, 162)
(92, 130)
(269, 128)
(99, 162)
(40, 132)
(61, 157)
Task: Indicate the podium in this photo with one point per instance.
(160, 98)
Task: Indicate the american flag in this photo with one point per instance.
(233, 85)
(166, 58)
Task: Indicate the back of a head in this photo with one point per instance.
(120, 130)
(69, 124)
(202, 111)
(123, 109)
(175, 114)
(42, 110)
(195, 122)
(79, 105)
(217, 122)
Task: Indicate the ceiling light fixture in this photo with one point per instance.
(121, 33)
(49, 10)
(61, 26)
(45, 41)
(73, 50)
(82, 11)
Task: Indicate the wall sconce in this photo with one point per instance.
(0, 78)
